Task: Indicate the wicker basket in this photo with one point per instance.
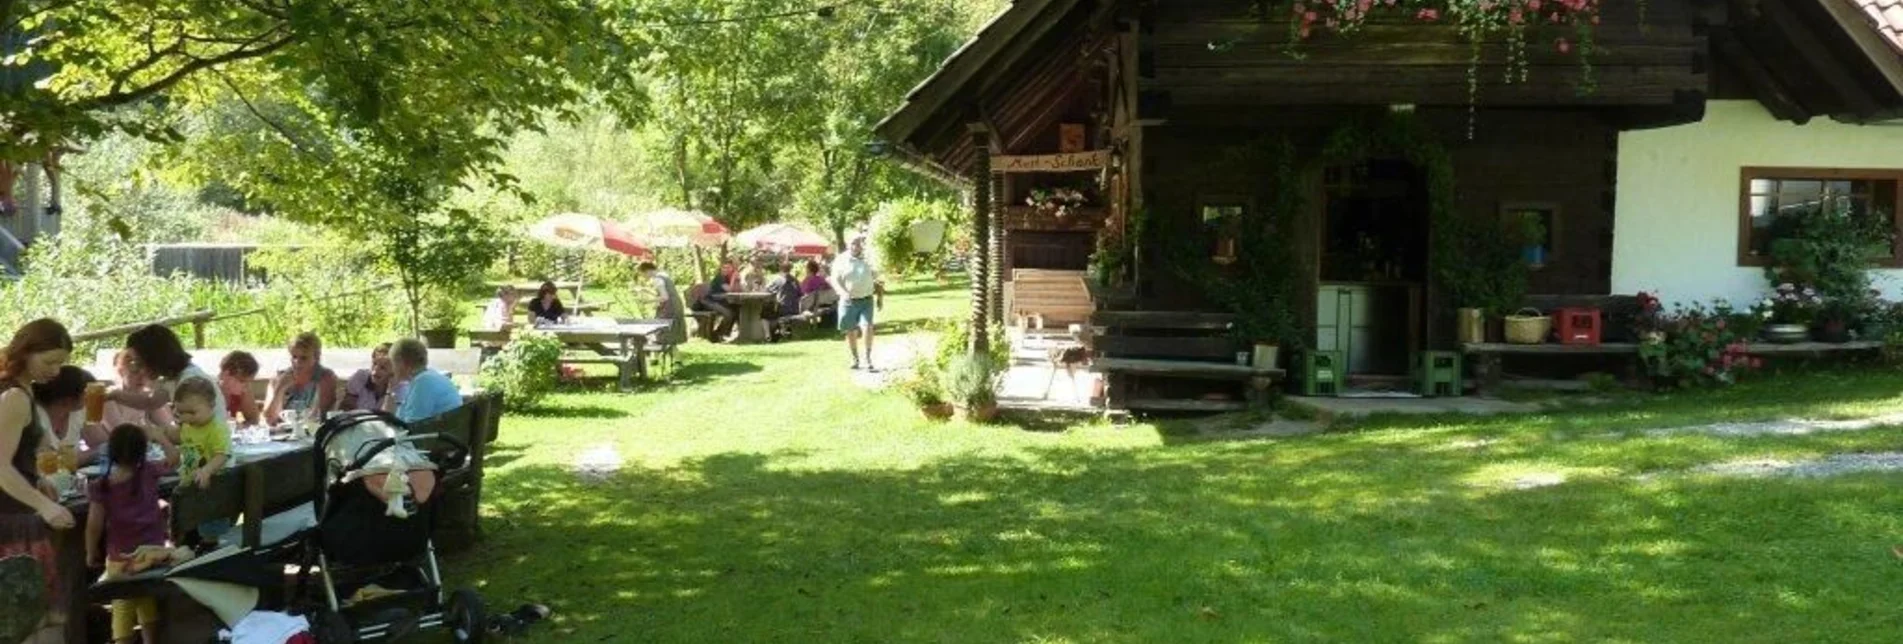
(1528, 329)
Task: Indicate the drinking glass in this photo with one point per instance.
(47, 461)
(95, 402)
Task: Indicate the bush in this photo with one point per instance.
(525, 371)
(954, 341)
(1696, 346)
(972, 380)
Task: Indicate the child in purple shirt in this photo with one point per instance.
(125, 510)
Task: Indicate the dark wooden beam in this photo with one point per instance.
(1764, 85)
(1827, 66)
(930, 98)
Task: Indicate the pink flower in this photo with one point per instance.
(1308, 17)
(1428, 15)
(1721, 325)
(1533, 5)
(1565, 47)
(1757, 363)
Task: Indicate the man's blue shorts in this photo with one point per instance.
(855, 311)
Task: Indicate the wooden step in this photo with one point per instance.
(1205, 406)
(1183, 368)
(1183, 320)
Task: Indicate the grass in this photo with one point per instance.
(764, 497)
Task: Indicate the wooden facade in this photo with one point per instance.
(1178, 91)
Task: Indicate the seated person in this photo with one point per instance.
(815, 278)
(307, 386)
(547, 307)
(752, 278)
(62, 413)
(786, 293)
(135, 381)
(715, 301)
(428, 393)
(500, 314)
(235, 374)
(367, 388)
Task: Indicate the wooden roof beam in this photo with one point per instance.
(1822, 62)
(1764, 84)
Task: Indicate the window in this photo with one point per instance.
(1537, 225)
(1769, 196)
(1222, 220)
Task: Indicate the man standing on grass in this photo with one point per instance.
(856, 282)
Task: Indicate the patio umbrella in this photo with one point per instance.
(784, 238)
(587, 232)
(676, 228)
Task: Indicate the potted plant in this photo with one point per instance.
(442, 318)
(922, 387)
(971, 384)
(1532, 240)
(1789, 312)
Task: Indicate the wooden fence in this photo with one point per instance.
(198, 320)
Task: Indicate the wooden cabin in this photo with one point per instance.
(1377, 172)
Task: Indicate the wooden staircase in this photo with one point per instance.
(1059, 298)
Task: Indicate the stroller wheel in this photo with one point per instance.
(333, 628)
(464, 616)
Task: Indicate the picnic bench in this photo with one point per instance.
(257, 487)
(1144, 354)
(623, 343)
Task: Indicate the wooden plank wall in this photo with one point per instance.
(1224, 52)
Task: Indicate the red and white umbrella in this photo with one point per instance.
(785, 239)
(676, 228)
(577, 231)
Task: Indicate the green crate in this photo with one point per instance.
(1437, 374)
(1321, 373)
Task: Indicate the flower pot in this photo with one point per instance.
(1833, 331)
(937, 411)
(978, 413)
(1786, 333)
(1267, 356)
(1471, 325)
(440, 338)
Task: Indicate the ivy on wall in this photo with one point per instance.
(1472, 259)
(1260, 287)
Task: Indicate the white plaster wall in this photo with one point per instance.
(1675, 229)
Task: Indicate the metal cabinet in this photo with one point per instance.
(1373, 326)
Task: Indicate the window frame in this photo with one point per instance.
(1205, 202)
(1781, 173)
(1555, 217)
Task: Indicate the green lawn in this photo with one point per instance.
(763, 497)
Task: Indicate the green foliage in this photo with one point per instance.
(1476, 258)
(525, 370)
(1261, 287)
(323, 283)
(954, 343)
(891, 232)
(921, 384)
(1828, 249)
(972, 380)
(1696, 346)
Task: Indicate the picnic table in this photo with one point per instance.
(622, 343)
(752, 330)
(527, 289)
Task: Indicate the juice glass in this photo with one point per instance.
(47, 462)
(95, 402)
(68, 457)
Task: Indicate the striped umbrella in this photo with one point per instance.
(784, 238)
(676, 228)
(577, 231)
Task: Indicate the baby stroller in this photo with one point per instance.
(376, 511)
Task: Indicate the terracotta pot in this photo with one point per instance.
(939, 411)
(978, 413)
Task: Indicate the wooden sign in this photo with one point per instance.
(1093, 160)
(1071, 138)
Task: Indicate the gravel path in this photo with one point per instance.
(1786, 427)
(1833, 465)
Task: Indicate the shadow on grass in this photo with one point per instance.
(921, 287)
(1224, 542)
(697, 371)
(597, 412)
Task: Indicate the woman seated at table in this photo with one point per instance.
(786, 292)
(62, 413)
(500, 313)
(547, 307)
(368, 387)
(307, 385)
(815, 278)
(137, 382)
(715, 300)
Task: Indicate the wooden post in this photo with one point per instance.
(996, 257)
(198, 333)
(980, 238)
(253, 505)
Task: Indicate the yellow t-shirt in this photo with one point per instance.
(198, 444)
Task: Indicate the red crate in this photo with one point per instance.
(1578, 326)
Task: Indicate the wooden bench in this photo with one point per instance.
(1487, 355)
(1173, 346)
(522, 306)
(1051, 298)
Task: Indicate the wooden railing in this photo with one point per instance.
(199, 319)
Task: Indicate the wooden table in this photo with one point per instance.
(750, 303)
(622, 344)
